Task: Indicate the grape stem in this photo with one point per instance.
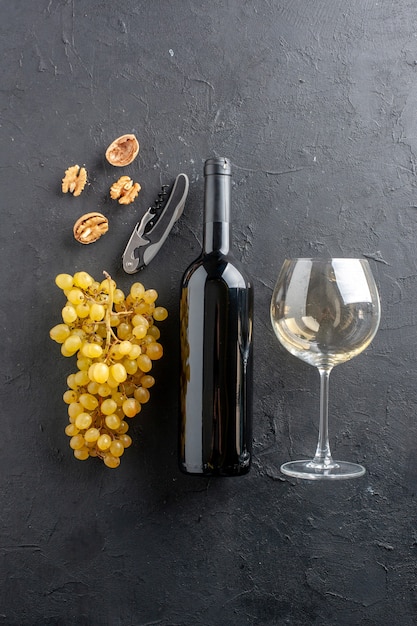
(109, 330)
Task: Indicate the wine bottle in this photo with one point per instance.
(216, 314)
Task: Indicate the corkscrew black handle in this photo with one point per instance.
(150, 233)
(157, 207)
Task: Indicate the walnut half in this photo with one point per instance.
(123, 150)
(124, 190)
(74, 180)
(90, 227)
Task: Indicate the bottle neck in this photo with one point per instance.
(216, 237)
(217, 200)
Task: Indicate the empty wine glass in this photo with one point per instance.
(325, 312)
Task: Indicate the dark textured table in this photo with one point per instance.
(315, 104)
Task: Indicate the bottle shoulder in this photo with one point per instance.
(220, 267)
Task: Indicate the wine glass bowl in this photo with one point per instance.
(325, 312)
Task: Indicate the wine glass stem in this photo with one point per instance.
(323, 455)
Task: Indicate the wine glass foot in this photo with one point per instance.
(309, 470)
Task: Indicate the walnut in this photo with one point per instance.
(124, 190)
(90, 227)
(122, 150)
(74, 180)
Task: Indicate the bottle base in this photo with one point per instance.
(223, 472)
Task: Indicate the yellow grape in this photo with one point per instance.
(125, 347)
(140, 320)
(83, 421)
(71, 430)
(94, 288)
(142, 395)
(125, 440)
(66, 352)
(135, 351)
(154, 332)
(144, 363)
(128, 388)
(77, 442)
(101, 373)
(75, 296)
(82, 378)
(64, 281)
(71, 382)
(140, 331)
(111, 461)
(97, 312)
(79, 332)
(160, 314)
(69, 314)
(130, 366)
(115, 354)
(147, 381)
(141, 307)
(123, 428)
(104, 442)
(116, 448)
(154, 351)
(124, 330)
(92, 350)
(82, 454)
(114, 320)
(118, 296)
(104, 390)
(59, 333)
(83, 280)
(118, 372)
(70, 396)
(92, 387)
(88, 401)
(91, 435)
(74, 409)
(105, 287)
(72, 344)
(83, 363)
(137, 290)
(131, 407)
(113, 421)
(150, 296)
(108, 406)
(83, 310)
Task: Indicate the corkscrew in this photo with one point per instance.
(150, 233)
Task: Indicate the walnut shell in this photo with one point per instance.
(122, 150)
(90, 227)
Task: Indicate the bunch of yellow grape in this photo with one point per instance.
(115, 341)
